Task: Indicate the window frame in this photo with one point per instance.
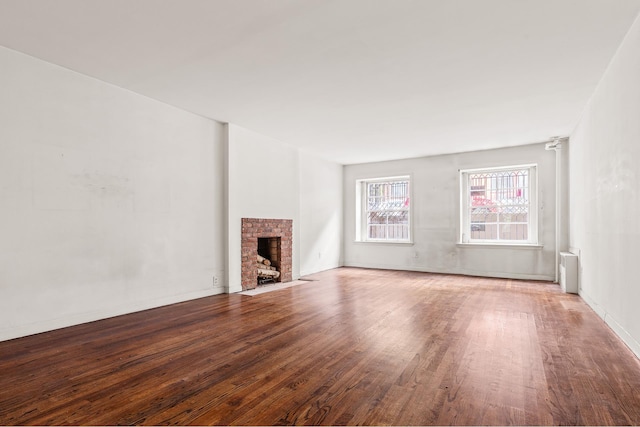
(465, 217)
(361, 209)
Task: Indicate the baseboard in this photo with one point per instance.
(615, 326)
(53, 324)
(323, 268)
(463, 272)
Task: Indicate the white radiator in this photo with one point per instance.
(569, 272)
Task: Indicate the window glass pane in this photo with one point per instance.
(377, 218)
(377, 232)
(387, 210)
(515, 217)
(498, 205)
(513, 232)
(484, 231)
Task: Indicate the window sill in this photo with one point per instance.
(387, 242)
(501, 245)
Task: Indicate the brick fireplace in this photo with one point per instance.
(280, 230)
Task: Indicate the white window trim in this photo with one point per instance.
(533, 208)
(361, 214)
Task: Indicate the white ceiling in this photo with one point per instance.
(352, 80)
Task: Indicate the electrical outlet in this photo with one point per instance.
(216, 281)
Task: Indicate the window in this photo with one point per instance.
(383, 212)
(499, 205)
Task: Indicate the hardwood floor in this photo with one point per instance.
(355, 346)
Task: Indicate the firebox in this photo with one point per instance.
(269, 252)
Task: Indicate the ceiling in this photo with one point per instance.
(350, 80)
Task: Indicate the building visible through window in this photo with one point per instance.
(498, 205)
(385, 213)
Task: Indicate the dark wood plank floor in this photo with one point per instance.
(355, 346)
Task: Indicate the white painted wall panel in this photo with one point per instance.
(320, 214)
(110, 202)
(605, 197)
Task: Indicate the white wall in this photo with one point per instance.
(110, 202)
(320, 214)
(605, 198)
(435, 217)
(265, 179)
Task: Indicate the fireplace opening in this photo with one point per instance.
(269, 259)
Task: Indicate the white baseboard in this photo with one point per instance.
(53, 324)
(620, 331)
(464, 272)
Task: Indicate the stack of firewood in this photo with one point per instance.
(266, 270)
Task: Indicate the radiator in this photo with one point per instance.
(569, 272)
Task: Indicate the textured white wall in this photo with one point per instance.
(605, 197)
(320, 214)
(435, 217)
(110, 202)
